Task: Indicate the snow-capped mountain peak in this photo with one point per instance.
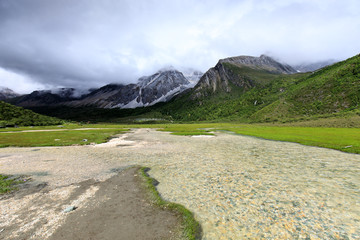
(160, 86)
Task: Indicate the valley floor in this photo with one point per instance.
(238, 187)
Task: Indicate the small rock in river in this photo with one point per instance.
(69, 209)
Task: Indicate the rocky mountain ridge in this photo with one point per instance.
(149, 90)
(239, 74)
(45, 97)
(262, 63)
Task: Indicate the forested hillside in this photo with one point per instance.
(11, 115)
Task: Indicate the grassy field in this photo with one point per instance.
(57, 138)
(343, 139)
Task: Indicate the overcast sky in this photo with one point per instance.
(89, 43)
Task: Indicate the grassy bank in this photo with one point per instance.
(190, 227)
(57, 138)
(343, 139)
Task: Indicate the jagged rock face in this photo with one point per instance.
(6, 93)
(219, 77)
(215, 78)
(161, 86)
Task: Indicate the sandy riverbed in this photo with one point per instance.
(237, 186)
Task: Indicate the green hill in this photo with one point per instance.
(331, 90)
(11, 115)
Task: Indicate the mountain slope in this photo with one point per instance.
(106, 96)
(46, 97)
(261, 63)
(11, 115)
(161, 87)
(333, 89)
(239, 72)
(235, 88)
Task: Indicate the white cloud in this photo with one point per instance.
(88, 43)
(18, 82)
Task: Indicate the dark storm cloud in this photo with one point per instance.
(88, 43)
(60, 42)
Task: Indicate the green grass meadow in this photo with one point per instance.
(56, 138)
(343, 139)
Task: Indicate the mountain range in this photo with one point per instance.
(149, 90)
(244, 88)
(252, 89)
(161, 86)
